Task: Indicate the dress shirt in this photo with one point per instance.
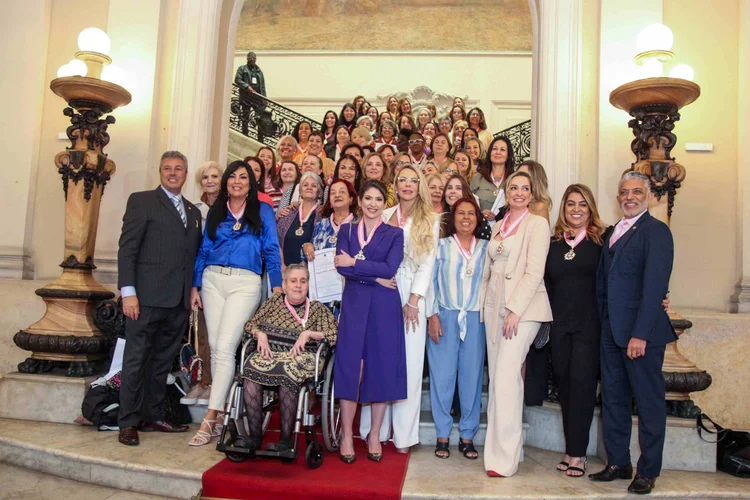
(622, 228)
(129, 291)
(242, 249)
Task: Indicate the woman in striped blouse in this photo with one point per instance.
(457, 343)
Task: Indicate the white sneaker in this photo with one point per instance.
(191, 397)
(204, 395)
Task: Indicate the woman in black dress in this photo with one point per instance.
(570, 278)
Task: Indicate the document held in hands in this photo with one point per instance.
(326, 284)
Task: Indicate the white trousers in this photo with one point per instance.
(503, 448)
(403, 416)
(228, 302)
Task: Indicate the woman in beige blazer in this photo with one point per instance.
(514, 304)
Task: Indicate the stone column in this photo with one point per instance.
(740, 300)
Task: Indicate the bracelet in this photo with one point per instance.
(413, 307)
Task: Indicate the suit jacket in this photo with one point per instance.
(157, 253)
(633, 279)
(525, 293)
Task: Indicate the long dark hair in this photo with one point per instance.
(251, 217)
(295, 132)
(357, 167)
(342, 121)
(323, 126)
(451, 229)
(485, 166)
(262, 181)
(272, 174)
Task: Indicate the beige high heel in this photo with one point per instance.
(202, 437)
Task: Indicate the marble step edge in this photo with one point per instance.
(126, 476)
(71, 455)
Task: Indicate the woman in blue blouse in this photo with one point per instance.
(457, 343)
(240, 235)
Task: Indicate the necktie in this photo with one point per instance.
(620, 229)
(178, 206)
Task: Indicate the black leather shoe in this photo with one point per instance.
(129, 436)
(162, 426)
(612, 472)
(642, 485)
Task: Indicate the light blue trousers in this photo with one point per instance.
(453, 358)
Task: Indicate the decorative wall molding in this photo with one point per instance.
(243, 53)
(16, 264)
(423, 95)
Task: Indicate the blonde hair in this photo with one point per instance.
(202, 169)
(539, 185)
(386, 179)
(362, 132)
(422, 238)
(595, 227)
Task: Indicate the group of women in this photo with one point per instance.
(444, 248)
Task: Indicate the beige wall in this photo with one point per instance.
(312, 83)
(705, 216)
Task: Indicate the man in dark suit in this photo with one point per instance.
(632, 281)
(161, 234)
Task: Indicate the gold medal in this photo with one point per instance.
(469, 272)
(360, 255)
(500, 248)
(300, 231)
(570, 255)
(237, 226)
(496, 192)
(332, 240)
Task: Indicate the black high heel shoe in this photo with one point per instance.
(375, 457)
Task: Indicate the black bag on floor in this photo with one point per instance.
(732, 448)
(100, 406)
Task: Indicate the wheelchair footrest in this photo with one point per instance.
(288, 454)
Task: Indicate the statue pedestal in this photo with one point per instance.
(45, 398)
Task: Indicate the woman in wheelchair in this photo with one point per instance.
(287, 329)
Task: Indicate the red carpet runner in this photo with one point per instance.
(270, 479)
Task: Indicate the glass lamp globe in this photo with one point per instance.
(682, 71)
(114, 74)
(77, 68)
(94, 40)
(64, 71)
(654, 37)
(651, 68)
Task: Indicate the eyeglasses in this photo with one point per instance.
(408, 180)
(416, 141)
(450, 171)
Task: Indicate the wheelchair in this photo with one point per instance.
(234, 441)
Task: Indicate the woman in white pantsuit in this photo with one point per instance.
(414, 214)
(514, 304)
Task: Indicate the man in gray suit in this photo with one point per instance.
(161, 234)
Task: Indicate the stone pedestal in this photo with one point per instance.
(45, 398)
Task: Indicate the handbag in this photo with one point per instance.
(191, 364)
(732, 447)
(542, 336)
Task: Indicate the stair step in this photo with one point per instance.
(427, 401)
(428, 436)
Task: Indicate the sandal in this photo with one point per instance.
(219, 427)
(202, 437)
(577, 471)
(443, 447)
(563, 466)
(467, 447)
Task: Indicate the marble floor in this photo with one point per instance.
(20, 483)
(164, 466)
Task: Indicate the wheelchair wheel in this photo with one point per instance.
(331, 413)
(314, 455)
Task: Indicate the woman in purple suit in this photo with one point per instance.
(370, 352)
